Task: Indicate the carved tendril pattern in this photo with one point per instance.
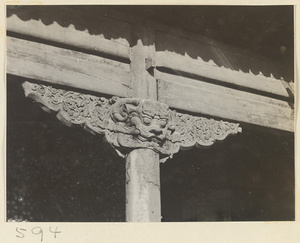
(72, 107)
(200, 131)
(130, 123)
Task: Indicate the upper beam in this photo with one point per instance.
(60, 66)
(72, 28)
(146, 47)
(176, 49)
(206, 59)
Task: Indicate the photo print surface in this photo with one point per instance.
(150, 113)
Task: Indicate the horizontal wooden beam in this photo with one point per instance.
(226, 103)
(73, 28)
(207, 59)
(60, 66)
(210, 70)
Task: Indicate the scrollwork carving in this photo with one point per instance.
(201, 131)
(72, 107)
(130, 123)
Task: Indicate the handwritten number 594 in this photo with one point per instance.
(36, 231)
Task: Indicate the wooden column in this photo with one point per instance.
(142, 186)
(142, 165)
(143, 82)
(143, 131)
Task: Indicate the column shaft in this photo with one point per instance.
(142, 186)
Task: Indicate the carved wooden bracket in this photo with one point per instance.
(130, 123)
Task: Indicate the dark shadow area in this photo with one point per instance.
(58, 173)
(256, 31)
(261, 38)
(247, 177)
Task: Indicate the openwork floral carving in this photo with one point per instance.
(200, 131)
(72, 108)
(130, 123)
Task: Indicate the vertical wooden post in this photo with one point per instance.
(142, 165)
(142, 59)
(142, 186)
(145, 127)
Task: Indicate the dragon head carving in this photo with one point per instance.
(141, 123)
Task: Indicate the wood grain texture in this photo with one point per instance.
(60, 66)
(225, 103)
(142, 64)
(102, 40)
(142, 186)
(207, 59)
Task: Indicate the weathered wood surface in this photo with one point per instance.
(146, 46)
(72, 28)
(142, 186)
(207, 60)
(196, 46)
(225, 103)
(143, 82)
(178, 50)
(60, 66)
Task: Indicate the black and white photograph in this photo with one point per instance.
(150, 113)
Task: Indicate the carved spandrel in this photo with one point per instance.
(72, 108)
(130, 123)
(201, 131)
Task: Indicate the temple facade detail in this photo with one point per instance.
(131, 123)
